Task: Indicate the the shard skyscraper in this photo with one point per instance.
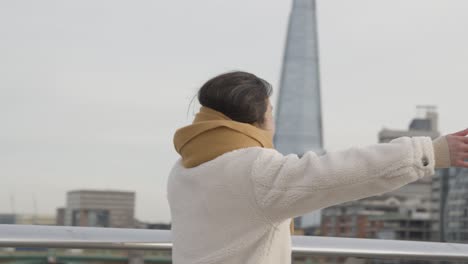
(299, 115)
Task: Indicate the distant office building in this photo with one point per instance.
(299, 115)
(386, 217)
(425, 126)
(27, 219)
(33, 219)
(453, 207)
(439, 192)
(60, 216)
(100, 208)
(412, 222)
(7, 219)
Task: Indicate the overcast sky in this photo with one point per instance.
(91, 91)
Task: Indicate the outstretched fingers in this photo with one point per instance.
(462, 163)
(464, 156)
(461, 133)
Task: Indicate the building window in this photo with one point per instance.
(98, 218)
(91, 217)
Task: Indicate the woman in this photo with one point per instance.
(232, 195)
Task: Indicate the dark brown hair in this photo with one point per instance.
(241, 96)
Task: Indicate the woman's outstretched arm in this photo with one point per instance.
(289, 186)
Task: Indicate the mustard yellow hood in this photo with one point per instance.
(212, 134)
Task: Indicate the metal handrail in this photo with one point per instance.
(119, 238)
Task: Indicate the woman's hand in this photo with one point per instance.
(458, 147)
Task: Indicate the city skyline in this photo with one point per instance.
(91, 93)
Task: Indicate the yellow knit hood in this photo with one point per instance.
(212, 134)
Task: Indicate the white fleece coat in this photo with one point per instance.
(237, 208)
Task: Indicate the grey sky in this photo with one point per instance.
(92, 91)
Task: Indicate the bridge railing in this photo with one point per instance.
(144, 239)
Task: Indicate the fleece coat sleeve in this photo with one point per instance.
(289, 186)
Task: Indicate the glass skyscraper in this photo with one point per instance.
(299, 115)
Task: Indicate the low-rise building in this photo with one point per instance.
(100, 208)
